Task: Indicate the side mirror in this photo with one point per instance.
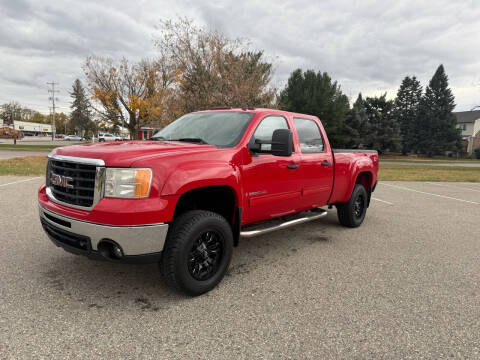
(282, 142)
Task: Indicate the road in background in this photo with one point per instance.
(403, 285)
(10, 154)
(39, 140)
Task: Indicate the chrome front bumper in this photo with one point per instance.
(134, 240)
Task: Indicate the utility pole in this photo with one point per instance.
(53, 91)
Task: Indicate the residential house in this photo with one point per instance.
(469, 123)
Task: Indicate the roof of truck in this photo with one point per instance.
(255, 111)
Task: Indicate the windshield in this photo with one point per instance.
(222, 129)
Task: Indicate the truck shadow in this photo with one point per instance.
(97, 284)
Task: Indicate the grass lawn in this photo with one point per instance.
(29, 165)
(400, 158)
(24, 147)
(35, 165)
(428, 173)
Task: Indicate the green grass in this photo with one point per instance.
(394, 172)
(24, 147)
(35, 165)
(29, 165)
(400, 158)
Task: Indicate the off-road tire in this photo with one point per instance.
(349, 214)
(182, 234)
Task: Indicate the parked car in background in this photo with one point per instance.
(72, 138)
(108, 137)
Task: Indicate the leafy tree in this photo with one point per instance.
(383, 130)
(357, 125)
(80, 118)
(134, 93)
(316, 94)
(436, 128)
(406, 112)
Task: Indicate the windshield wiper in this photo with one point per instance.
(157, 138)
(192, 140)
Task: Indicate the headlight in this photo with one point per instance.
(127, 183)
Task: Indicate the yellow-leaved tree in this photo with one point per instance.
(136, 94)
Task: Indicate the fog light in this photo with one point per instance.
(117, 252)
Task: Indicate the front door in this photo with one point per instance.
(271, 187)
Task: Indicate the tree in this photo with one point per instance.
(316, 94)
(436, 128)
(383, 130)
(406, 112)
(212, 69)
(134, 93)
(357, 125)
(80, 117)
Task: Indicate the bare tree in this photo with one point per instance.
(213, 70)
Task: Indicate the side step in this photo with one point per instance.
(268, 227)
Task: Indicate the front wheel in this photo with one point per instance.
(352, 213)
(197, 252)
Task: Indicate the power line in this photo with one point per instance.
(53, 91)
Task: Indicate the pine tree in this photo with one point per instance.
(316, 94)
(406, 112)
(81, 117)
(356, 124)
(436, 127)
(383, 130)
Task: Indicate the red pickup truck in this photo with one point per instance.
(186, 196)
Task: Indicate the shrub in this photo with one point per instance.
(477, 153)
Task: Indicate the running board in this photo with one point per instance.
(308, 216)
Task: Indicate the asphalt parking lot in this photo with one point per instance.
(406, 284)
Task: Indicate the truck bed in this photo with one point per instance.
(350, 162)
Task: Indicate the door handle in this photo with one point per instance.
(293, 166)
(326, 163)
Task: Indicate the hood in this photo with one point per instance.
(124, 153)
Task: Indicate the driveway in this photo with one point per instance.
(403, 285)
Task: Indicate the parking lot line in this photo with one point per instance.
(432, 194)
(453, 187)
(383, 201)
(20, 181)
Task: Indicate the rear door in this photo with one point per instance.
(316, 164)
(271, 186)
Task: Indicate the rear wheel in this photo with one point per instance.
(352, 213)
(197, 252)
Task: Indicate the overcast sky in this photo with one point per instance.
(367, 46)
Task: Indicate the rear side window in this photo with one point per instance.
(311, 140)
(266, 128)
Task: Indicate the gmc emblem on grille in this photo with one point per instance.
(60, 180)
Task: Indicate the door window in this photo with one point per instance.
(266, 128)
(311, 140)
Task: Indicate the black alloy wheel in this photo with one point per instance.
(358, 206)
(197, 252)
(352, 213)
(205, 255)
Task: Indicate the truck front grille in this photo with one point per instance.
(81, 182)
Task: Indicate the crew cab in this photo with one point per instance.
(186, 197)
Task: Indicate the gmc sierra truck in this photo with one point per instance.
(185, 197)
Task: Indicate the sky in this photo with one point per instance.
(366, 46)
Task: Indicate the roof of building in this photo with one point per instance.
(467, 116)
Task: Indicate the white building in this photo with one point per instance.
(33, 129)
